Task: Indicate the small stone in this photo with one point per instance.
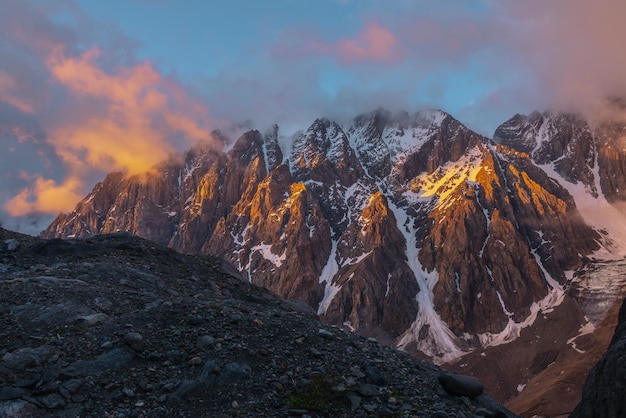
(340, 388)
(235, 404)
(236, 318)
(206, 341)
(461, 385)
(72, 386)
(196, 361)
(196, 321)
(375, 376)
(91, 320)
(392, 400)
(355, 402)
(368, 390)
(369, 407)
(11, 244)
(52, 401)
(134, 341)
(107, 345)
(315, 352)
(128, 392)
(325, 333)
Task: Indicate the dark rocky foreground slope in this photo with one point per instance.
(604, 392)
(117, 326)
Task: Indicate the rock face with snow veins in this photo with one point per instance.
(569, 145)
(411, 228)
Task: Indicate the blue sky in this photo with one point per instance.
(235, 44)
(89, 86)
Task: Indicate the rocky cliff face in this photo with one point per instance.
(604, 392)
(411, 228)
(592, 155)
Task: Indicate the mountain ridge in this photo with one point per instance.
(409, 228)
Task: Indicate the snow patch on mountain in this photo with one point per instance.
(266, 252)
(328, 273)
(443, 182)
(429, 332)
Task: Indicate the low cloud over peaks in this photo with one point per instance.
(574, 49)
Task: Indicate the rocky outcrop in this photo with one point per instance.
(611, 137)
(411, 228)
(117, 325)
(604, 392)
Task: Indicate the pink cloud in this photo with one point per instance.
(45, 195)
(137, 113)
(373, 43)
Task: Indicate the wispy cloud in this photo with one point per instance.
(135, 117)
(9, 93)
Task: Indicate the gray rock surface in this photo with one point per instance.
(211, 344)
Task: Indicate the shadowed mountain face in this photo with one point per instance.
(604, 392)
(411, 228)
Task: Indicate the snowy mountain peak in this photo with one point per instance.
(408, 227)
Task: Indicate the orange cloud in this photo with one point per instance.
(45, 196)
(123, 120)
(10, 95)
(141, 113)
